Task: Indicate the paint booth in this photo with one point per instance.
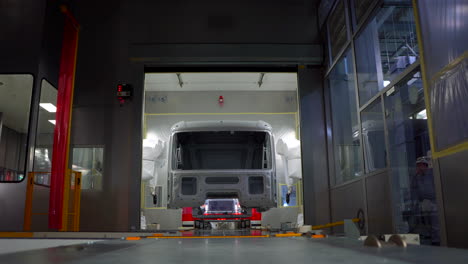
(171, 98)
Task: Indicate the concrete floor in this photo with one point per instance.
(18, 245)
(235, 250)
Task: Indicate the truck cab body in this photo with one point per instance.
(222, 160)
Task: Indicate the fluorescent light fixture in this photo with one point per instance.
(421, 115)
(52, 121)
(48, 107)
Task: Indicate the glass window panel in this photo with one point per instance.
(346, 141)
(89, 161)
(337, 29)
(373, 137)
(415, 209)
(386, 47)
(361, 7)
(397, 38)
(15, 101)
(45, 128)
(370, 78)
(292, 199)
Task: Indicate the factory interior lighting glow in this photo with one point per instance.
(48, 107)
(52, 121)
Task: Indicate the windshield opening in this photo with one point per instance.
(222, 150)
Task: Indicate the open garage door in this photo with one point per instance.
(219, 115)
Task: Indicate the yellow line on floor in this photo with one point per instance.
(208, 236)
(16, 234)
(289, 235)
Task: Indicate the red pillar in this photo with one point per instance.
(63, 120)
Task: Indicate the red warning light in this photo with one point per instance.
(124, 93)
(221, 100)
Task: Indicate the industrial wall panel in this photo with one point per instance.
(445, 32)
(346, 201)
(22, 34)
(40, 206)
(454, 172)
(166, 218)
(3, 144)
(379, 206)
(12, 206)
(51, 49)
(22, 152)
(92, 126)
(275, 216)
(313, 147)
(12, 148)
(99, 212)
(207, 102)
(210, 21)
(444, 35)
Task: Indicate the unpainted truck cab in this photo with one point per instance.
(222, 159)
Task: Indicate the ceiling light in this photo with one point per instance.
(52, 121)
(421, 115)
(48, 107)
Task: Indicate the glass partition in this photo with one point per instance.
(89, 161)
(346, 140)
(386, 47)
(338, 29)
(415, 209)
(45, 128)
(361, 7)
(15, 103)
(373, 137)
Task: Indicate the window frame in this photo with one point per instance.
(33, 112)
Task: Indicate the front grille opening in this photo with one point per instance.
(256, 185)
(215, 195)
(222, 180)
(189, 186)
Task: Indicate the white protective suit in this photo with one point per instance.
(153, 158)
(291, 157)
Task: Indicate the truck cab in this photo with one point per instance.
(222, 160)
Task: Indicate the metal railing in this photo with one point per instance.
(71, 204)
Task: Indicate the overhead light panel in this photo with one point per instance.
(52, 121)
(48, 107)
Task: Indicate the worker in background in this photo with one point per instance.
(423, 197)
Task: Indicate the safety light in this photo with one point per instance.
(221, 100)
(124, 92)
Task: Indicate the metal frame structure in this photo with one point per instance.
(32, 122)
(71, 185)
(354, 30)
